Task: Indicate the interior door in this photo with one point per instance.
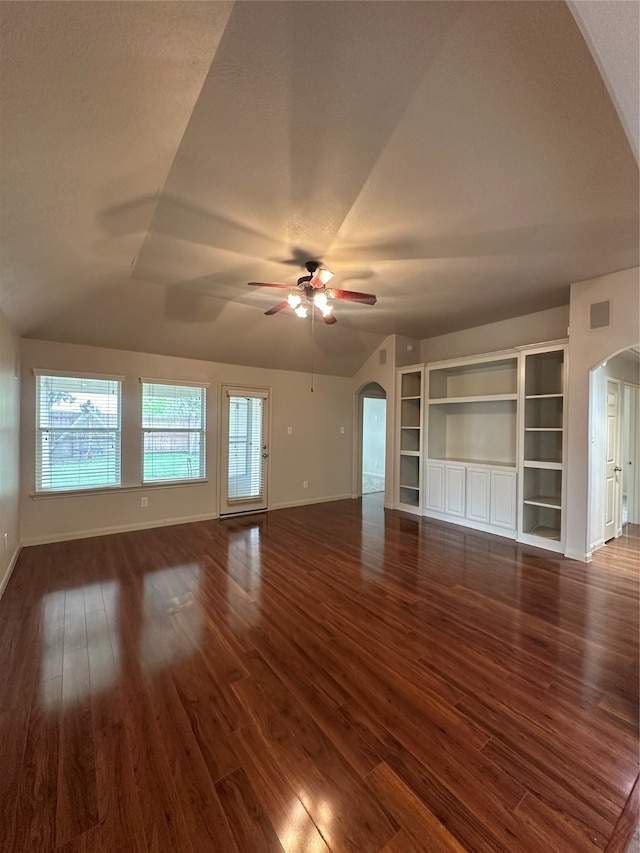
(613, 467)
(245, 450)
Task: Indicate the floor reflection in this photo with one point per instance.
(92, 637)
(305, 827)
(172, 626)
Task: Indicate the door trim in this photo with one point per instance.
(228, 390)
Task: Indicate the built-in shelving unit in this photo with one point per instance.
(542, 483)
(410, 390)
(473, 411)
(472, 437)
(481, 442)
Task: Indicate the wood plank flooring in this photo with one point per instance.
(327, 678)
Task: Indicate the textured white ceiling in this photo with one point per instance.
(463, 161)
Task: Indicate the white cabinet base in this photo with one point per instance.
(482, 497)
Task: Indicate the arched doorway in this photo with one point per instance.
(372, 432)
(614, 459)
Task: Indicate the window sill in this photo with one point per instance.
(116, 490)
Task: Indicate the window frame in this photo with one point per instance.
(42, 374)
(201, 476)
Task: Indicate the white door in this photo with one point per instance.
(613, 467)
(244, 449)
(631, 452)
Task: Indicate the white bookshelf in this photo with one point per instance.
(481, 442)
(541, 504)
(473, 411)
(409, 454)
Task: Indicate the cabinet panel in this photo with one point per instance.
(478, 491)
(503, 499)
(435, 487)
(454, 490)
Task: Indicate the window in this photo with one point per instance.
(245, 447)
(77, 432)
(173, 431)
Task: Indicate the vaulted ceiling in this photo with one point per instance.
(463, 161)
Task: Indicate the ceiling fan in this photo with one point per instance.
(311, 291)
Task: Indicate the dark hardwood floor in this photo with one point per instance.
(328, 678)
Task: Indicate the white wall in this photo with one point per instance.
(587, 349)
(9, 450)
(550, 325)
(316, 450)
(373, 436)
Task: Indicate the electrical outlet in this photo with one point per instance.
(305, 484)
(289, 430)
(6, 541)
(144, 501)
(341, 430)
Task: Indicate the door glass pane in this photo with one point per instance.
(245, 448)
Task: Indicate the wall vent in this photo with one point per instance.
(383, 356)
(599, 315)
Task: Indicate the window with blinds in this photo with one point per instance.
(77, 432)
(245, 448)
(173, 432)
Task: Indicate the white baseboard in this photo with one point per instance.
(123, 528)
(583, 556)
(287, 504)
(10, 568)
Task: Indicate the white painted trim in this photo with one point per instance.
(75, 374)
(287, 504)
(123, 528)
(388, 506)
(584, 557)
(503, 532)
(10, 568)
(596, 545)
(116, 490)
(179, 382)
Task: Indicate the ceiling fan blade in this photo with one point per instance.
(329, 319)
(277, 308)
(270, 284)
(353, 296)
(321, 278)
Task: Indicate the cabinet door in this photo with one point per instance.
(503, 499)
(478, 490)
(435, 487)
(454, 490)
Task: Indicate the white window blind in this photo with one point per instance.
(245, 447)
(173, 432)
(77, 432)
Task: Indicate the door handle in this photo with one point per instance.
(617, 468)
(265, 455)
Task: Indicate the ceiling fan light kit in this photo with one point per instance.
(311, 292)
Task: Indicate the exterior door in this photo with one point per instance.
(245, 450)
(613, 467)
